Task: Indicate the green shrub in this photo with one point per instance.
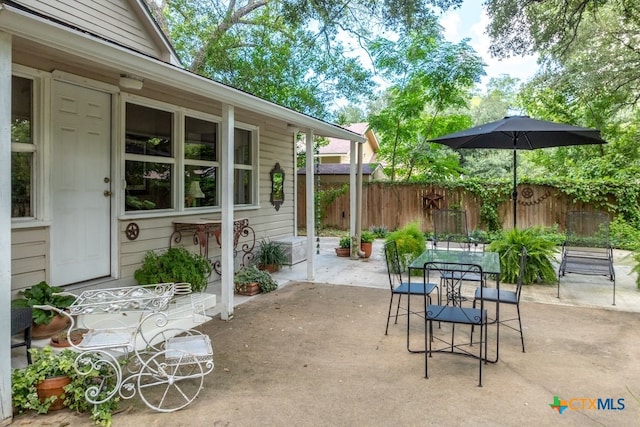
(345, 242)
(48, 363)
(380, 232)
(174, 265)
(251, 274)
(271, 253)
(636, 267)
(367, 237)
(43, 294)
(624, 235)
(540, 253)
(410, 242)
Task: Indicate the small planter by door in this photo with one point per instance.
(343, 251)
(53, 387)
(47, 330)
(271, 268)
(61, 339)
(249, 289)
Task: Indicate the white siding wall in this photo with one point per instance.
(275, 146)
(29, 257)
(113, 19)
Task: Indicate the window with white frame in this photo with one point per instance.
(201, 165)
(149, 158)
(153, 157)
(23, 149)
(244, 168)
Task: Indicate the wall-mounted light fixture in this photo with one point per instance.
(129, 81)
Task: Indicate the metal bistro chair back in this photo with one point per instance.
(400, 287)
(450, 229)
(455, 315)
(504, 296)
(451, 233)
(21, 322)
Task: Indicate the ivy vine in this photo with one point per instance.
(325, 197)
(620, 198)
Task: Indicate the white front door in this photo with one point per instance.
(80, 176)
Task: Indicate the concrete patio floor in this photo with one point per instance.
(315, 354)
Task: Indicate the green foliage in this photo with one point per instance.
(176, 264)
(410, 242)
(345, 242)
(251, 274)
(49, 364)
(325, 197)
(428, 76)
(624, 235)
(367, 237)
(270, 253)
(43, 294)
(636, 267)
(540, 253)
(380, 232)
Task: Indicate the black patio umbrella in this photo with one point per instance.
(520, 133)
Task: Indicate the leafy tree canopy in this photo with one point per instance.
(292, 52)
(429, 81)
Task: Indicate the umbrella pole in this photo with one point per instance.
(514, 195)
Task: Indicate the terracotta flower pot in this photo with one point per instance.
(47, 330)
(271, 268)
(366, 248)
(53, 387)
(249, 289)
(343, 251)
(61, 339)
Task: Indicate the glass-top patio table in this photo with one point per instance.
(488, 261)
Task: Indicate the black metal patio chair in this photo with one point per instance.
(400, 287)
(503, 296)
(21, 322)
(455, 315)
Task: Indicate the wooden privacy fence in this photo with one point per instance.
(393, 206)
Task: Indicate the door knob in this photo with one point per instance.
(107, 193)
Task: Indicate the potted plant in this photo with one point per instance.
(366, 242)
(176, 264)
(45, 322)
(541, 251)
(250, 281)
(270, 256)
(52, 382)
(344, 246)
(410, 242)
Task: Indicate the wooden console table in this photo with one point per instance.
(205, 228)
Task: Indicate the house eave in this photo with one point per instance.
(37, 29)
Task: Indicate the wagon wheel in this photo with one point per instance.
(169, 384)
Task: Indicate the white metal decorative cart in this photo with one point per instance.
(137, 346)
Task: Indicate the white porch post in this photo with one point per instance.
(5, 227)
(295, 131)
(226, 203)
(311, 220)
(352, 193)
(358, 214)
